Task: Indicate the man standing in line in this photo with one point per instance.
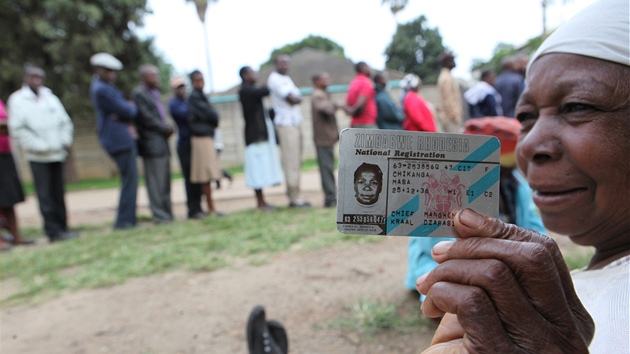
(389, 116)
(450, 116)
(42, 127)
(325, 135)
(262, 164)
(153, 134)
(178, 107)
(285, 98)
(116, 132)
(483, 99)
(509, 84)
(360, 103)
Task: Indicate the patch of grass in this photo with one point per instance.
(101, 257)
(578, 260)
(368, 317)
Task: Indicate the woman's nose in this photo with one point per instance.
(541, 143)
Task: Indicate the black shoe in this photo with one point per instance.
(64, 236)
(198, 216)
(259, 339)
(330, 205)
(304, 204)
(162, 221)
(279, 335)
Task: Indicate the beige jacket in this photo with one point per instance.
(451, 98)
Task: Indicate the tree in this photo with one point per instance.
(503, 50)
(415, 48)
(60, 36)
(314, 42)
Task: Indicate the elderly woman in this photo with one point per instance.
(418, 116)
(505, 289)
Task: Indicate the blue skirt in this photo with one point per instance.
(262, 162)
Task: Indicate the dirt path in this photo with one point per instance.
(181, 312)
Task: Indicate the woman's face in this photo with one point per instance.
(574, 146)
(198, 82)
(367, 188)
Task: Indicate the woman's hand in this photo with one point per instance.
(509, 288)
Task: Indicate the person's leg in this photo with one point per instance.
(261, 204)
(59, 195)
(43, 180)
(326, 162)
(165, 186)
(290, 149)
(126, 162)
(207, 191)
(157, 177)
(193, 190)
(12, 225)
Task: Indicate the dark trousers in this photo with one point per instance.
(128, 169)
(326, 162)
(157, 175)
(193, 190)
(49, 186)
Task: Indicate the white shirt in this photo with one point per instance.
(281, 86)
(604, 293)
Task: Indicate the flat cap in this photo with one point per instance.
(105, 60)
(177, 82)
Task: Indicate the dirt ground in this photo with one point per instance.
(182, 312)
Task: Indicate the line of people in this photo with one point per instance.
(128, 128)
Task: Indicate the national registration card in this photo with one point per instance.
(412, 183)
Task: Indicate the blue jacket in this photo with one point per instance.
(179, 111)
(113, 117)
(389, 116)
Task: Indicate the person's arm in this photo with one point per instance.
(112, 99)
(284, 89)
(357, 108)
(509, 288)
(491, 103)
(261, 91)
(323, 104)
(66, 131)
(147, 113)
(202, 110)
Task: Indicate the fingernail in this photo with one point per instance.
(421, 279)
(442, 247)
(470, 218)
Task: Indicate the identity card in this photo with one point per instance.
(412, 183)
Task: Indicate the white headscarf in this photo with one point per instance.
(410, 81)
(601, 31)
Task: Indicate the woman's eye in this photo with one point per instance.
(525, 116)
(576, 107)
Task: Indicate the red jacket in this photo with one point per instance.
(418, 116)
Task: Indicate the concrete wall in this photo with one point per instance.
(92, 162)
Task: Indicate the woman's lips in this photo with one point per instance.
(550, 199)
